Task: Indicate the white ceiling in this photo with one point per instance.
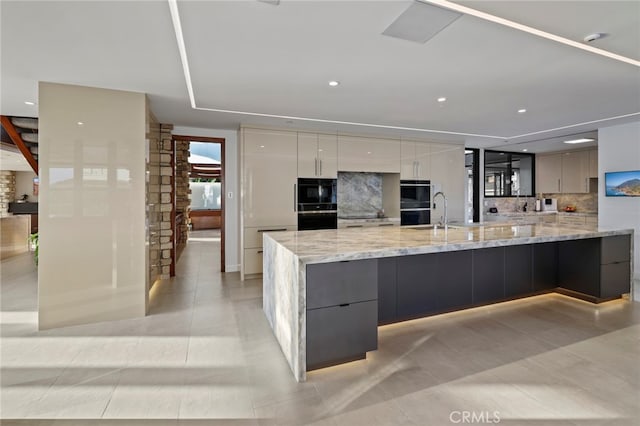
(255, 57)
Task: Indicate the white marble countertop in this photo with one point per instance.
(370, 242)
(369, 221)
(533, 213)
(590, 214)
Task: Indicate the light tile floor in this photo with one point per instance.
(205, 356)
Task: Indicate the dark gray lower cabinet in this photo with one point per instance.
(545, 266)
(342, 311)
(488, 275)
(417, 284)
(387, 312)
(338, 334)
(579, 266)
(518, 264)
(453, 280)
(596, 267)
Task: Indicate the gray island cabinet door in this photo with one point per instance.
(342, 312)
(518, 263)
(488, 275)
(615, 269)
(545, 266)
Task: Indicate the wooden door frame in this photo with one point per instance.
(221, 141)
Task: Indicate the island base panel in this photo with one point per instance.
(339, 333)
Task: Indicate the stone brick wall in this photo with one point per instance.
(154, 215)
(7, 190)
(183, 192)
(165, 199)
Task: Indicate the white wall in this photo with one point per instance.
(231, 174)
(92, 205)
(24, 185)
(619, 150)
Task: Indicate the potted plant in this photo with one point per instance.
(33, 240)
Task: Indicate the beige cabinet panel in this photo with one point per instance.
(307, 155)
(593, 163)
(317, 156)
(423, 160)
(269, 176)
(415, 161)
(253, 235)
(328, 156)
(548, 173)
(575, 172)
(408, 160)
(360, 154)
(252, 261)
(448, 176)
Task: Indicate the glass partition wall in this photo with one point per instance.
(508, 174)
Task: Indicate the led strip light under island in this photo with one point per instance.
(325, 292)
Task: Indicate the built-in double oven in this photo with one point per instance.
(317, 205)
(415, 202)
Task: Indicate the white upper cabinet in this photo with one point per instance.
(448, 175)
(593, 163)
(317, 155)
(575, 172)
(566, 172)
(548, 173)
(362, 154)
(415, 161)
(269, 176)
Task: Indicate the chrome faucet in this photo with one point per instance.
(444, 197)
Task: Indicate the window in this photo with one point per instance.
(508, 174)
(204, 176)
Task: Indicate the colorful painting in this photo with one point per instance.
(622, 184)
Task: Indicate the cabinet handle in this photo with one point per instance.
(316, 164)
(295, 196)
(260, 251)
(342, 305)
(320, 161)
(415, 169)
(586, 184)
(354, 226)
(558, 185)
(385, 224)
(272, 230)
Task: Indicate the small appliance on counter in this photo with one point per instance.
(549, 204)
(538, 205)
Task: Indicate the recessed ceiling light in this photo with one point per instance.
(525, 150)
(261, 146)
(442, 99)
(80, 123)
(334, 83)
(29, 103)
(593, 37)
(522, 111)
(581, 140)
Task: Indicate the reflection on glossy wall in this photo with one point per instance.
(92, 205)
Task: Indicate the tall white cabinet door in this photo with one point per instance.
(269, 176)
(423, 160)
(448, 176)
(408, 166)
(308, 166)
(548, 173)
(360, 154)
(593, 163)
(328, 156)
(575, 172)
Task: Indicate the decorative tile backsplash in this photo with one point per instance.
(359, 194)
(586, 203)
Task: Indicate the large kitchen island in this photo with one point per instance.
(326, 292)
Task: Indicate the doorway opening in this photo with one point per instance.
(205, 169)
